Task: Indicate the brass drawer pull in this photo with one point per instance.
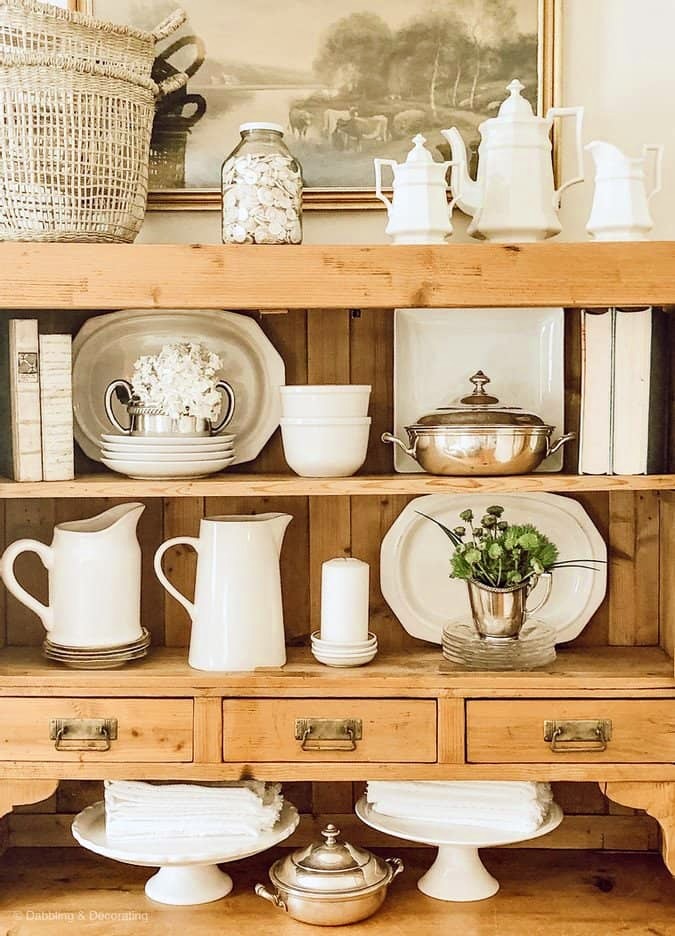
(83, 734)
(328, 734)
(587, 735)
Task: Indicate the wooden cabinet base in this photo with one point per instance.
(19, 792)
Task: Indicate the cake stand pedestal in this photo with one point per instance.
(188, 868)
(458, 872)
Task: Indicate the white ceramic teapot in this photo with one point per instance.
(514, 198)
(419, 211)
(620, 208)
(237, 617)
(94, 579)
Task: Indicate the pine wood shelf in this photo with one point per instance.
(156, 276)
(625, 670)
(106, 484)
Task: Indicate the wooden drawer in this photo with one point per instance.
(153, 730)
(396, 730)
(510, 732)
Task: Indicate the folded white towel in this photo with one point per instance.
(167, 810)
(512, 806)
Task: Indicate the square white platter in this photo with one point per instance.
(437, 350)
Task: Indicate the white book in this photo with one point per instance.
(56, 403)
(632, 385)
(597, 353)
(24, 385)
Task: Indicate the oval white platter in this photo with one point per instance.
(415, 562)
(107, 346)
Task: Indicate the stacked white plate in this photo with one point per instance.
(174, 457)
(353, 653)
(97, 657)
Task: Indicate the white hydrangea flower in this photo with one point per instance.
(180, 380)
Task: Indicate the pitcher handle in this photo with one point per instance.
(547, 595)
(657, 149)
(107, 400)
(229, 412)
(159, 571)
(378, 163)
(577, 112)
(10, 555)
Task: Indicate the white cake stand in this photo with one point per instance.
(188, 868)
(457, 873)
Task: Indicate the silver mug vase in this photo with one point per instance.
(501, 612)
(150, 421)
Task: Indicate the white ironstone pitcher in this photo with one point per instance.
(621, 200)
(94, 570)
(237, 616)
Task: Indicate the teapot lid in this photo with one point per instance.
(419, 153)
(330, 867)
(515, 107)
(479, 408)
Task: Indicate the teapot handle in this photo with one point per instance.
(657, 149)
(378, 163)
(10, 555)
(159, 571)
(578, 113)
(228, 392)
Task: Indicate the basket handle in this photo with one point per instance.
(169, 25)
(170, 84)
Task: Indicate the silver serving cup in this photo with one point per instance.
(501, 612)
(149, 421)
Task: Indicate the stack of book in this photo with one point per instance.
(625, 391)
(36, 403)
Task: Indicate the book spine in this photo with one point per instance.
(56, 404)
(24, 382)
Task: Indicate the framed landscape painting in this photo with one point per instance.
(348, 80)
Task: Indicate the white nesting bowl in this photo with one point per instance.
(319, 401)
(325, 448)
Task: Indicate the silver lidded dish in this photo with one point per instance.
(479, 436)
(330, 883)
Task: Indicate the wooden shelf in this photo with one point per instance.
(541, 892)
(106, 484)
(155, 276)
(165, 672)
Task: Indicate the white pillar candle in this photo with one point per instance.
(344, 600)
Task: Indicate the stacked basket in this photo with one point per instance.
(76, 111)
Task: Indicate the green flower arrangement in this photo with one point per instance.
(499, 554)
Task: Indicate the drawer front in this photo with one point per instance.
(509, 732)
(264, 730)
(153, 730)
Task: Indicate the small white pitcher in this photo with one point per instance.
(94, 579)
(418, 212)
(620, 210)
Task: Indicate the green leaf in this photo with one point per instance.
(452, 536)
(495, 551)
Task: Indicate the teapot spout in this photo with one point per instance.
(464, 189)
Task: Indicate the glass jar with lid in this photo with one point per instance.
(262, 189)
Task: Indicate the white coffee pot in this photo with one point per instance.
(620, 208)
(418, 210)
(513, 198)
(237, 616)
(94, 570)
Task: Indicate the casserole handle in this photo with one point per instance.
(266, 894)
(561, 441)
(412, 451)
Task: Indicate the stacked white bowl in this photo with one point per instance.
(325, 428)
(168, 456)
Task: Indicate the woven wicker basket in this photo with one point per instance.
(46, 30)
(74, 148)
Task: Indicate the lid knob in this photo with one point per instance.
(330, 833)
(516, 106)
(479, 397)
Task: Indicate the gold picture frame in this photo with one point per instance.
(360, 199)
